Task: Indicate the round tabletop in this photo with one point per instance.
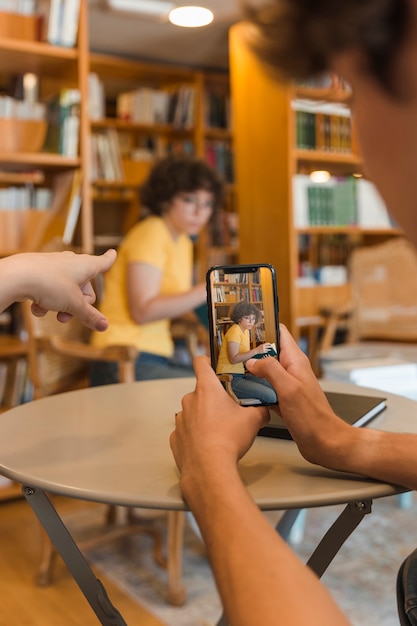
(111, 444)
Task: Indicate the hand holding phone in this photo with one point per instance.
(243, 324)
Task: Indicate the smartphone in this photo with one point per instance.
(243, 316)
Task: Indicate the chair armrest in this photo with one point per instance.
(91, 353)
(226, 379)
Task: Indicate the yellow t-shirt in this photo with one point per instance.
(148, 242)
(235, 335)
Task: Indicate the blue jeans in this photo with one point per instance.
(249, 386)
(407, 591)
(147, 367)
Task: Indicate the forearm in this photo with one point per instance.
(241, 357)
(259, 578)
(167, 306)
(379, 454)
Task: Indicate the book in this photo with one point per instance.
(64, 211)
(54, 22)
(354, 409)
(69, 26)
(74, 206)
(271, 352)
(372, 210)
(63, 22)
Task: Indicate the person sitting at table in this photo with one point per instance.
(235, 350)
(151, 282)
(372, 45)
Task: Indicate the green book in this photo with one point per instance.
(271, 352)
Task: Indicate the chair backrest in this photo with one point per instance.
(384, 292)
(51, 372)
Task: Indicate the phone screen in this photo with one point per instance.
(243, 324)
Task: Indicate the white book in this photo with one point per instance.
(69, 25)
(372, 211)
(73, 209)
(301, 182)
(96, 99)
(56, 11)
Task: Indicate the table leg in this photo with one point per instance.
(329, 546)
(286, 523)
(337, 534)
(91, 587)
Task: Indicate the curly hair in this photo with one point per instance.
(175, 174)
(241, 309)
(296, 39)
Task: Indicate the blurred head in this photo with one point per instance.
(372, 44)
(179, 174)
(184, 190)
(298, 39)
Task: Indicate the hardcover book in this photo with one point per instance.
(354, 409)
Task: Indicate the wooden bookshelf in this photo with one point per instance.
(267, 159)
(56, 67)
(119, 75)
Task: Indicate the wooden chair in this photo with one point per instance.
(381, 319)
(193, 333)
(59, 356)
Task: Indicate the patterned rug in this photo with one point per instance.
(361, 578)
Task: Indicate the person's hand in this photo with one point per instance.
(302, 403)
(264, 348)
(61, 281)
(212, 432)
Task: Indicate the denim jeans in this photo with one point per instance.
(407, 591)
(147, 367)
(249, 386)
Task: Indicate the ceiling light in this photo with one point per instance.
(190, 16)
(146, 7)
(320, 176)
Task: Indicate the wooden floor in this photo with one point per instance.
(23, 603)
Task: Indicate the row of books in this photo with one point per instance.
(237, 292)
(256, 294)
(152, 146)
(108, 148)
(218, 110)
(156, 106)
(323, 127)
(326, 80)
(20, 7)
(333, 204)
(219, 276)
(106, 158)
(341, 201)
(62, 20)
(21, 109)
(225, 294)
(63, 117)
(334, 249)
(224, 230)
(22, 198)
(22, 390)
(220, 156)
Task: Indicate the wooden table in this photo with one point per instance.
(111, 445)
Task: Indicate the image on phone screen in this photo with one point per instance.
(243, 324)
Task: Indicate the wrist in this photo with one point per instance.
(206, 481)
(16, 275)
